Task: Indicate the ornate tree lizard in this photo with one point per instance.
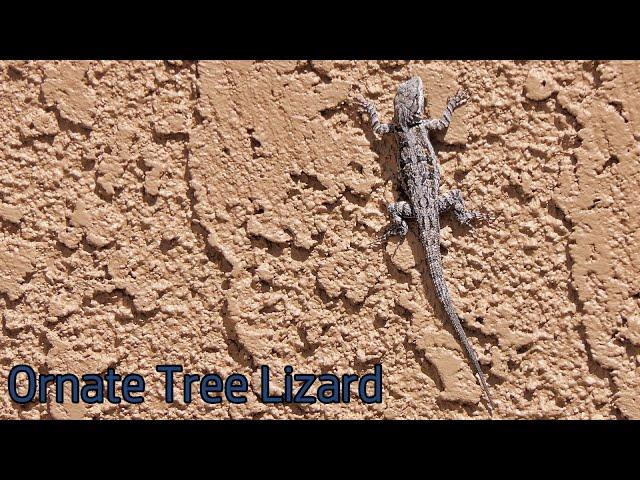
(419, 176)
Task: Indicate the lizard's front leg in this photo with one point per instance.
(453, 200)
(399, 213)
(370, 108)
(460, 98)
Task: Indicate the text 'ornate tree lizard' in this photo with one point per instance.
(419, 177)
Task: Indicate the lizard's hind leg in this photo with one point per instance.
(399, 213)
(453, 200)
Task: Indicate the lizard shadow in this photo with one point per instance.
(384, 147)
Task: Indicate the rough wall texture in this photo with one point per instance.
(218, 215)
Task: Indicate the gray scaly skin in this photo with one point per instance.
(419, 175)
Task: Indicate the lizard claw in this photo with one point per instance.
(460, 98)
(474, 217)
(381, 240)
(487, 217)
(471, 219)
(361, 102)
(387, 233)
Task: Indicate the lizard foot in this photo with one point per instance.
(399, 213)
(361, 103)
(485, 217)
(471, 218)
(394, 229)
(460, 98)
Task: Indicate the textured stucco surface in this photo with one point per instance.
(218, 215)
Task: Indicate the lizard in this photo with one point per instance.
(419, 179)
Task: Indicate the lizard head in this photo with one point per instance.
(409, 102)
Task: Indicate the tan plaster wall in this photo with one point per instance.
(218, 215)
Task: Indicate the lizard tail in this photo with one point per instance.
(442, 292)
(457, 326)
